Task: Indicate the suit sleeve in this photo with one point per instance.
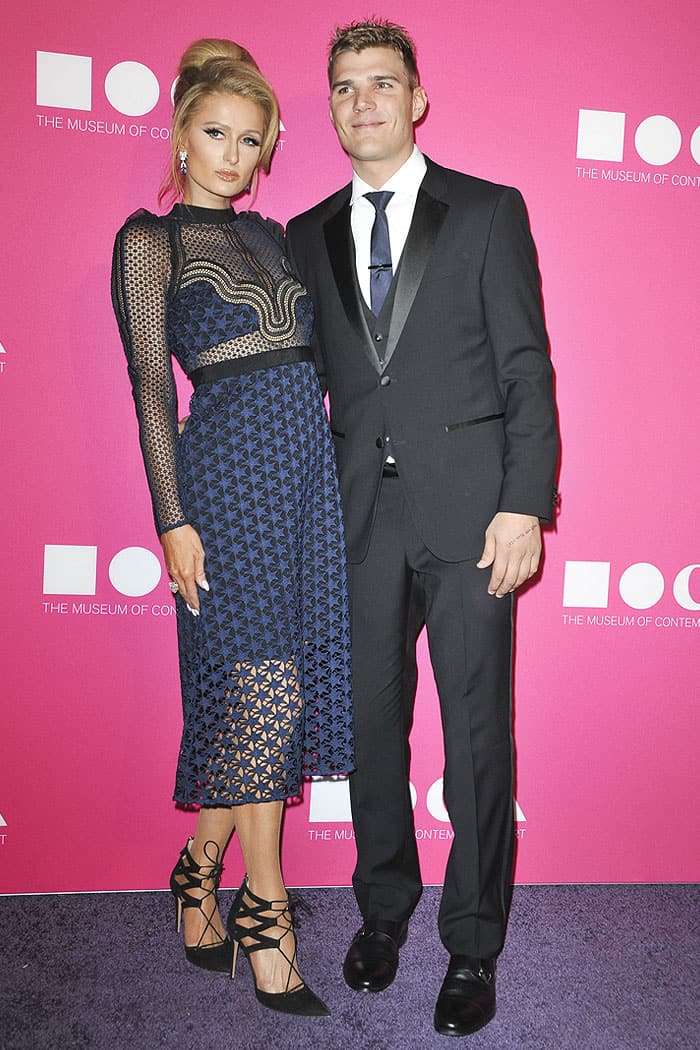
(297, 246)
(510, 286)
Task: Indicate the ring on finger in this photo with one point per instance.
(173, 587)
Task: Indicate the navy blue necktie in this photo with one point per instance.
(380, 271)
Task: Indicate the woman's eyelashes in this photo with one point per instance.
(217, 134)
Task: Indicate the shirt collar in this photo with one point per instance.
(406, 181)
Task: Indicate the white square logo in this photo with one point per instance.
(601, 135)
(63, 81)
(330, 802)
(586, 584)
(69, 569)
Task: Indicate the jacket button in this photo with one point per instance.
(379, 443)
(385, 381)
(378, 337)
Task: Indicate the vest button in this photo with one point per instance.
(385, 381)
(378, 337)
(379, 443)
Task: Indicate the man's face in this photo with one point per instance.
(373, 110)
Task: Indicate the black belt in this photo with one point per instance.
(241, 366)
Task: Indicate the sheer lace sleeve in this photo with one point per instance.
(140, 279)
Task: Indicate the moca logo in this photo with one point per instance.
(66, 82)
(657, 140)
(587, 585)
(71, 569)
(330, 802)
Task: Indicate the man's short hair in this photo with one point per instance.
(358, 36)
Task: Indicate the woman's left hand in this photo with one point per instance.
(184, 560)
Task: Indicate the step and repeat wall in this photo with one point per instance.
(595, 115)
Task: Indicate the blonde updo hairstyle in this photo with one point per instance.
(218, 67)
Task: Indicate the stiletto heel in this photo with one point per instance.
(299, 999)
(187, 877)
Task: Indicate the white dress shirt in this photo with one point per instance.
(404, 184)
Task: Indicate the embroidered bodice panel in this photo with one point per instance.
(203, 286)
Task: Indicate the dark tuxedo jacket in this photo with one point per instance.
(465, 386)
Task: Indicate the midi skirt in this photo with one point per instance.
(265, 668)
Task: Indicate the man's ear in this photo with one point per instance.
(420, 103)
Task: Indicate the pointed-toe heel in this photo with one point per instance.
(187, 889)
(297, 998)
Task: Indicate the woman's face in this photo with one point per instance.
(223, 142)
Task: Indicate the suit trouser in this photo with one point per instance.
(398, 585)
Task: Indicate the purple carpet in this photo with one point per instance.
(603, 967)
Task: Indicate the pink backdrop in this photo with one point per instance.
(553, 97)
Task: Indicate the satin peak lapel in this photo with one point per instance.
(341, 252)
(428, 217)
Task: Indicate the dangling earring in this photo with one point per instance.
(183, 161)
(247, 188)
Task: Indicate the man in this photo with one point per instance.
(431, 342)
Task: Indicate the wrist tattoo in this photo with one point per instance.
(522, 535)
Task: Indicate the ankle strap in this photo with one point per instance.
(260, 902)
(212, 866)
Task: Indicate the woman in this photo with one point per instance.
(249, 485)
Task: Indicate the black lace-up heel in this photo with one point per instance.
(187, 877)
(297, 998)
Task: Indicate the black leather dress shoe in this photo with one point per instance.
(373, 956)
(467, 999)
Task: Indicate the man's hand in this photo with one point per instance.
(513, 546)
(184, 560)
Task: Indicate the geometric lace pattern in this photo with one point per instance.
(265, 668)
(200, 286)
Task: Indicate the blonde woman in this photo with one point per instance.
(247, 510)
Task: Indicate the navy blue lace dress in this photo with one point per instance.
(265, 668)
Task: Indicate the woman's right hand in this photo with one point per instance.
(184, 560)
